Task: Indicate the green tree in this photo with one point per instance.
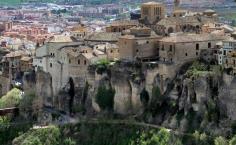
(69, 141)
(220, 141)
(162, 137)
(11, 99)
(201, 138)
(105, 97)
(233, 141)
(42, 136)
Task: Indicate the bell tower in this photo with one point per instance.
(176, 4)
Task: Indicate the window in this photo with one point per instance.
(79, 61)
(209, 45)
(197, 46)
(137, 50)
(170, 48)
(224, 52)
(85, 62)
(50, 64)
(163, 47)
(196, 53)
(186, 54)
(69, 61)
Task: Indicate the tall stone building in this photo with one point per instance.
(141, 43)
(152, 12)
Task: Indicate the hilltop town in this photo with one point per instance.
(156, 65)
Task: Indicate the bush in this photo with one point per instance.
(42, 136)
(220, 141)
(11, 99)
(102, 65)
(233, 141)
(69, 141)
(162, 137)
(105, 97)
(156, 95)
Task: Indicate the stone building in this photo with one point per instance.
(5, 26)
(152, 12)
(181, 48)
(119, 26)
(26, 63)
(180, 13)
(79, 32)
(64, 60)
(227, 47)
(229, 61)
(141, 43)
(110, 50)
(178, 24)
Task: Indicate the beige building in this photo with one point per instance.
(65, 59)
(119, 26)
(141, 43)
(79, 32)
(180, 13)
(186, 47)
(178, 24)
(230, 62)
(152, 12)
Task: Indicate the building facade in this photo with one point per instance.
(152, 12)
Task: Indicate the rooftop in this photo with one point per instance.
(124, 22)
(152, 3)
(192, 38)
(103, 36)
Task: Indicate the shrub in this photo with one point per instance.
(42, 136)
(162, 137)
(11, 99)
(233, 141)
(69, 141)
(102, 65)
(220, 141)
(105, 97)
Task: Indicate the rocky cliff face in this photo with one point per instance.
(171, 99)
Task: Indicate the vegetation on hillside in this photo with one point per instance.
(105, 97)
(105, 133)
(11, 99)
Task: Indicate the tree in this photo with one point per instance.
(233, 141)
(162, 137)
(11, 99)
(69, 141)
(220, 141)
(42, 136)
(105, 97)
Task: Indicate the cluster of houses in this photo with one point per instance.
(155, 37)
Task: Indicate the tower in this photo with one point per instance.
(176, 4)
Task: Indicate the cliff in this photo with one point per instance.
(194, 96)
